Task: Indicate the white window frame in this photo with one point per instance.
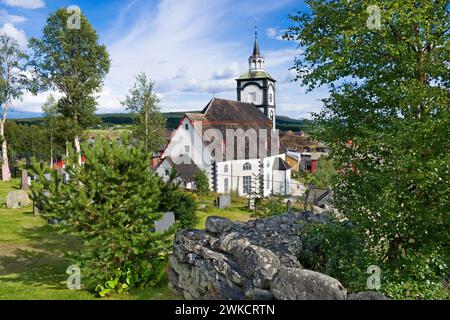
(247, 166)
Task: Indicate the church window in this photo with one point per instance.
(225, 169)
(252, 97)
(186, 126)
(187, 149)
(247, 184)
(271, 115)
(225, 185)
(247, 166)
(270, 98)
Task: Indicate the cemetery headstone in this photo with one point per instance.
(165, 223)
(289, 204)
(24, 181)
(17, 199)
(224, 201)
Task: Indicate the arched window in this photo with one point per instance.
(225, 169)
(247, 166)
(270, 98)
(271, 115)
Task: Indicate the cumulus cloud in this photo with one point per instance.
(9, 18)
(10, 30)
(26, 4)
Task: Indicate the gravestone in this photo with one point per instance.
(24, 181)
(289, 204)
(165, 223)
(224, 201)
(17, 199)
(65, 177)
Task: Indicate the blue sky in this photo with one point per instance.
(192, 49)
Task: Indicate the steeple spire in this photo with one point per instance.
(256, 61)
(256, 53)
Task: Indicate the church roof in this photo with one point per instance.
(255, 75)
(224, 114)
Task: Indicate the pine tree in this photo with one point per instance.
(111, 202)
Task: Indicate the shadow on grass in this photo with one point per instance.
(41, 260)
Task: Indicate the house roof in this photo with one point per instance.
(281, 165)
(224, 114)
(186, 171)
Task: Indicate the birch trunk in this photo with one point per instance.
(78, 149)
(6, 173)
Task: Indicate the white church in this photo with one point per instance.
(234, 142)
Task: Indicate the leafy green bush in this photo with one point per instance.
(111, 202)
(185, 209)
(334, 248)
(271, 206)
(183, 204)
(202, 183)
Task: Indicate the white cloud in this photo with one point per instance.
(271, 32)
(5, 17)
(27, 4)
(10, 30)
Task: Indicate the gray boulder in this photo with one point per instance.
(17, 199)
(367, 295)
(218, 224)
(301, 284)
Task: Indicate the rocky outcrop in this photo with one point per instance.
(254, 260)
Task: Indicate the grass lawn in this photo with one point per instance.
(237, 211)
(32, 263)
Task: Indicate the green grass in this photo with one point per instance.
(237, 211)
(32, 263)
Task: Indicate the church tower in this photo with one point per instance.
(257, 86)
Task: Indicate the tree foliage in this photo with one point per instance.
(202, 183)
(149, 123)
(111, 202)
(389, 95)
(72, 62)
(325, 172)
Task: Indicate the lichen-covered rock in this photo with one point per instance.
(247, 260)
(301, 284)
(218, 224)
(367, 295)
(17, 199)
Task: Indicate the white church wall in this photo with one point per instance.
(252, 89)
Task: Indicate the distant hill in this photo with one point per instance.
(283, 123)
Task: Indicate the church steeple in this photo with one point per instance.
(257, 86)
(256, 61)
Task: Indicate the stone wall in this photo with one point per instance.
(253, 260)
